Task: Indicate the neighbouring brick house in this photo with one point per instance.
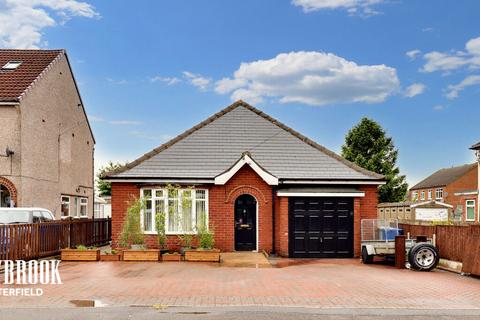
(262, 185)
(457, 186)
(46, 144)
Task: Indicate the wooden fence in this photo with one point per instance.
(458, 242)
(37, 240)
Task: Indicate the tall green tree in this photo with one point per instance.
(367, 145)
(105, 187)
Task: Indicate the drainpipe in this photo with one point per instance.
(273, 220)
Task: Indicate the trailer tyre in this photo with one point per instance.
(423, 257)
(366, 258)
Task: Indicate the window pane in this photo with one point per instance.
(200, 212)
(172, 193)
(172, 215)
(200, 194)
(147, 216)
(470, 213)
(187, 224)
(159, 193)
(65, 206)
(147, 193)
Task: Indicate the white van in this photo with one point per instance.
(25, 215)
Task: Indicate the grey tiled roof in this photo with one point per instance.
(476, 146)
(214, 145)
(444, 177)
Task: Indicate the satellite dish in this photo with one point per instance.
(9, 152)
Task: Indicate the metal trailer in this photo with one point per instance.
(378, 239)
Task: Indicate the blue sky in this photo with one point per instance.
(148, 70)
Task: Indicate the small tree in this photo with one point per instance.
(206, 238)
(186, 204)
(132, 230)
(160, 227)
(368, 146)
(104, 187)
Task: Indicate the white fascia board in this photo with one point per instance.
(320, 194)
(267, 177)
(362, 182)
(177, 181)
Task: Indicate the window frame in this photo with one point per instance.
(469, 206)
(69, 207)
(153, 198)
(422, 195)
(439, 194)
(80, 205)
(415, 196)
(429, 194)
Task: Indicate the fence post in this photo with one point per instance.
(400, 252)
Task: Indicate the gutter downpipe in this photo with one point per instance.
(273, 220)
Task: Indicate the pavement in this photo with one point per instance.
(321, 284)
(234, 313)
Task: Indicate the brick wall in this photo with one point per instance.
(221, 204)
(221, 208)
(221, 212)
(122, 194)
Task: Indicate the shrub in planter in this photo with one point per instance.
(132, 235)
(112, 255)
(171, 256)
(206, 241)
(81, 253)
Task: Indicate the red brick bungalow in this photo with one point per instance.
(262, 185)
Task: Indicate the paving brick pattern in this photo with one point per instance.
(323, 283)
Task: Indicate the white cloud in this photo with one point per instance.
(412, 54)
(427, 29)
(313, 78)
(197, 80)
(22, 21)
(157, 137)
(414, 90)
(454, 90)
(125, 122)
(438, 107)
(168, 80)
(449, 61)
(353, 7)
(114, 81)
(115, 122)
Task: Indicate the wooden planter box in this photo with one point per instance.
(203, 255)
(111, 257)
(172, 257)
(80, 255)
(141, 255)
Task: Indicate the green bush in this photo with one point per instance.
(160, 227)
(132, 230)
(206, 239)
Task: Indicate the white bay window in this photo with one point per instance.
(184, 209)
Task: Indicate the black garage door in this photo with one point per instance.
(321, 227)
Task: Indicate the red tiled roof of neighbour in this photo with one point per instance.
(13, 83)
(444, 177)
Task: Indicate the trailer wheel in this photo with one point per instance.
(423, 257)
(366, 258)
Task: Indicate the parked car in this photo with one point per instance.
(25, 215)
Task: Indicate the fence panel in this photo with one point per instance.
(32, 241)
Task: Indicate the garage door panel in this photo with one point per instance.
(321, 227)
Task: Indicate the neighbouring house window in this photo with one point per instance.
(83, 207)
(429, 194)
(422, 195)
(414, 196)
(183, 209)
(470, 206)
(439, 194)
(65, 206)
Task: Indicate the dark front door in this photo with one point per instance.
(321, 227)
(245, 223)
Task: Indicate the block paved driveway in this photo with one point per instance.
(323, 283)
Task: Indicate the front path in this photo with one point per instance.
(323, 283)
